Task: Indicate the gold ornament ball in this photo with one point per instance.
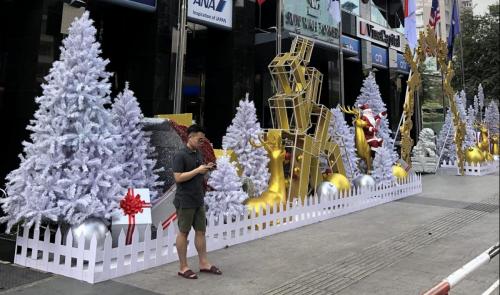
(296, 171)
(474, 155)
(339, 181)
(399, 172)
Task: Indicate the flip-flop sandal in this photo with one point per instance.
(188, 274)
(213, 270)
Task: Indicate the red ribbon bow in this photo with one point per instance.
(131, 205)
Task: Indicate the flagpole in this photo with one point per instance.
(341, 57)
(278, 27)
(461, 46)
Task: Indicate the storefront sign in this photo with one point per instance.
(379, 56)
(402, 65)
(351, 47)
(211, 12)
(378, 34)
(317, 19)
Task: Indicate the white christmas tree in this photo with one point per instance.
(370, 95)
(476, 106)
(492, 118)
(471, 121)
(69, 169)
(228, 196)
(470, 134)
(382, 167)
(243, 130)
(138, 169)
(480, 97)
(444, 142)
(343, 136)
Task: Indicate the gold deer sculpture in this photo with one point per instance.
(276, 191)
(483, 144)
(495, 149)
(362, 147)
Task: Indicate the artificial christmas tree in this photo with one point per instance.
(69, 170)
(445, 146)
(382, 163)
(244, 130)
(138, 169)
(475, 106)
(480, 98)
(470, 134)
(227, 195)
(370, 96)
(492, 118)
(343, 136)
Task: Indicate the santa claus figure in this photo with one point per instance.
(372, 126)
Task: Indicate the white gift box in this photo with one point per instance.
(134, 217)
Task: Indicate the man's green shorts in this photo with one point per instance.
(195, 217)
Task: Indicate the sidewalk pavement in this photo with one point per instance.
(403, 247)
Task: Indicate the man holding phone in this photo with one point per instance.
(189, 172)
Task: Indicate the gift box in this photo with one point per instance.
(134, 217)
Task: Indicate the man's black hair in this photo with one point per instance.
(195, 129)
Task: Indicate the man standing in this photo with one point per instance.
(189, 172)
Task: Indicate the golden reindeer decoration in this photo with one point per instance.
(362, 147)
(483, 143)
(276, 191)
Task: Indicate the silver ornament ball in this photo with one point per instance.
(88, 228)
(363, 180)
(326, 189)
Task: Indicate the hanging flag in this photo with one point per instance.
(411, 23)
(334, 9)
(260, 2)
(435, 14)
(454, 29)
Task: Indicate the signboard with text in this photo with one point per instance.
(379, 34)
(379, 56)
(402, 65)
(217, 13)
(352, 47)
(316, 19)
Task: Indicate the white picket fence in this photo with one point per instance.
(51, 252)
(478, 169)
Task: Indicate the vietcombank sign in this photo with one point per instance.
(211, 12)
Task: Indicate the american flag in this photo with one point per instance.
(435, 15)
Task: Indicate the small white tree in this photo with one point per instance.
(382, 167)
(243, 130)
(480, 98)
(343, 136)
(138, 169)
(370, 95)
(475, 106)
(228, 196)
(492, 117)
(445, 140)
(69, 170)
(470, 134)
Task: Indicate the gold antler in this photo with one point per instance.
(350, 110)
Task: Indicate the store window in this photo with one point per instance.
(379, 12)
(351, 6)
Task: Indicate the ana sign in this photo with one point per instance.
(317, 19)
(378, 34)
(211, 12)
